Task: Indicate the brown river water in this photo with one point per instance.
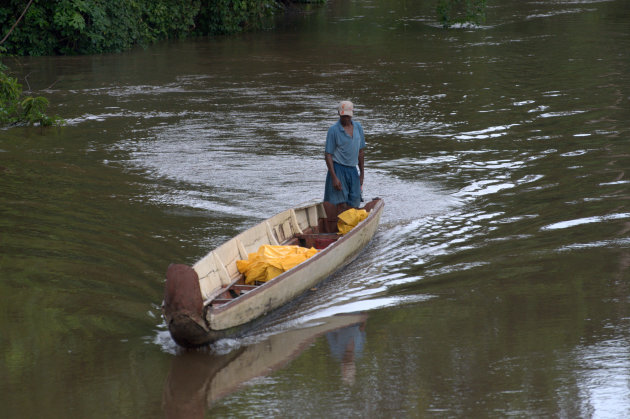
(497, 285)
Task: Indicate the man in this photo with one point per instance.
(344, 152)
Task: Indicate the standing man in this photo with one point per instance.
(344, 152)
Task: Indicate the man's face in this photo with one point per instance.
(345, 119)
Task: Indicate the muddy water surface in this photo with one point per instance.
(497, 284)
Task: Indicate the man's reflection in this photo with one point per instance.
(346, 345)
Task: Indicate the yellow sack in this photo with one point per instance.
(350, 218)
(270, 261)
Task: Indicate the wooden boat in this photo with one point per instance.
(210, 300)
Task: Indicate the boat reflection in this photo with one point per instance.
(198, 379)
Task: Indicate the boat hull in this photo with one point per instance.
(293, 283)
(193, 325)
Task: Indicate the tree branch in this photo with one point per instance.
(16, 22)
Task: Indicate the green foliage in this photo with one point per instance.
(34, 112)
(16, 109)
(10, 92)
(230, 16)
(96, 26)
(451, 12)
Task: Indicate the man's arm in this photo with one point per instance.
(331, 168)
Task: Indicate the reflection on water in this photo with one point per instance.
(346, 345)
(198, 379)
(602, 372)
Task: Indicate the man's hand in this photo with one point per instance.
(331, 169)
(336, 183)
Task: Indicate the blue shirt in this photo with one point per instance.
(345, 149)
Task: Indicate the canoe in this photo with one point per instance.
(211, 300)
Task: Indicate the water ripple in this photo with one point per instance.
(586, 220)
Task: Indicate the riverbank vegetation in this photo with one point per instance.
(16, 108)
(67, 27)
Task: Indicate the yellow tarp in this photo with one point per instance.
(270, 261)
(350, 218)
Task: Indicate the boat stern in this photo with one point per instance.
(183, 307)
